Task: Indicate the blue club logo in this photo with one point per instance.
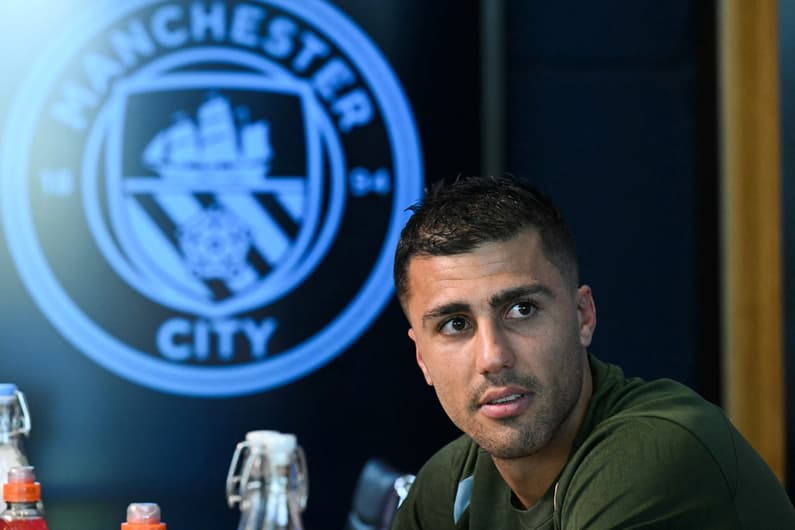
(204, 198)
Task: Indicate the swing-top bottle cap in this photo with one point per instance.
(280, 450)
(8, 390)
(21, 485)
(143, 516)
(262, 437)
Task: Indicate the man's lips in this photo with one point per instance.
(502, 403)
(501, 394)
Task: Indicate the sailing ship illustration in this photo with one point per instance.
(221, 150)
(218, 147)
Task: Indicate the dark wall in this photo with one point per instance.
(610, 108)
(787, 75)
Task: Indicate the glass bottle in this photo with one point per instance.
(143, 516)
(14, 422)
(272, 486)
(23, 497)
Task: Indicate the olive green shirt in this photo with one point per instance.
(648, 455)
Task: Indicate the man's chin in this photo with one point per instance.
(509, 449)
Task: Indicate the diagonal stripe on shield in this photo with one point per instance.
(214, 186)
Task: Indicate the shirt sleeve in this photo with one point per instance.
(646, 473)
(430, 503)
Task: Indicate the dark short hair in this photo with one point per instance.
(456, 216)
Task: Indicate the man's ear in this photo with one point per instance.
(420, 362)
(586, 315)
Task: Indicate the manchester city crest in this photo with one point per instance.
(204, 197)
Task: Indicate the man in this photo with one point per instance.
(486, 272)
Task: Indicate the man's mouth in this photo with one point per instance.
(506, 399)
(500, 403)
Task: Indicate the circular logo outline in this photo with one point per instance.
(137, 366)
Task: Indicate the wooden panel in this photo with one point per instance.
(751, 225)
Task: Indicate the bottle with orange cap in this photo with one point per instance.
(143, 516)
(22, 495)
(14, 423)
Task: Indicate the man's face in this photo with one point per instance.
(501, 336)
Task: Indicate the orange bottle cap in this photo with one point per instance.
(21, 485)
(143, 516)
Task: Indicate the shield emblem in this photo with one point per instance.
(215, 188)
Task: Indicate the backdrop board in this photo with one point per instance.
(200, 201)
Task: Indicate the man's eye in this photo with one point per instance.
(454, 325)
(522, 310)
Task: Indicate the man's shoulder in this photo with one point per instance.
(662, 404)
(648, 445)
(673, 411)
(646, 419)
(665, 440)
(644, 468)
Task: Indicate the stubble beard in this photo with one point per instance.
(522, 436)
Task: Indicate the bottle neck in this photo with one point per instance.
(12, 439)
(12, 422)
(22, 510)
(278, 479)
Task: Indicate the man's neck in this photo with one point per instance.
(531, 476)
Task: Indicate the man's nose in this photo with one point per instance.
(494, 350)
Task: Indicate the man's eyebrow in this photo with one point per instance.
(497, 300)
(509, 295)
(444, 310)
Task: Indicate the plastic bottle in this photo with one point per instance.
(14, 422)
(272, 486)
(23, 496)
(143, 516)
